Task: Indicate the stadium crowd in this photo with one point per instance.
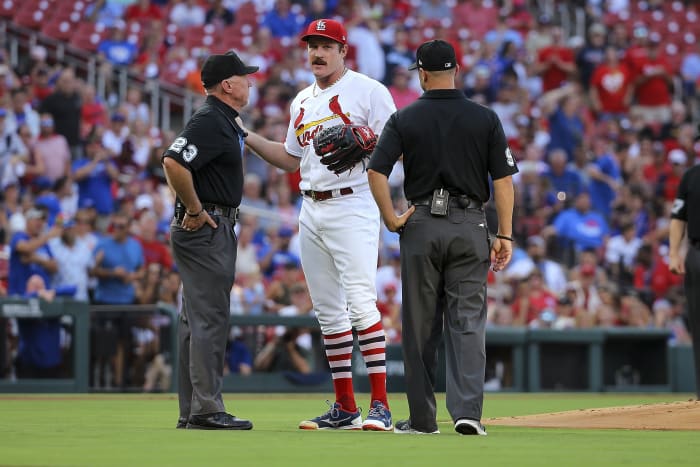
(602, 124)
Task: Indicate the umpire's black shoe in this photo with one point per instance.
(218, 421)
(181, 423)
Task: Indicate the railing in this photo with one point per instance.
(518, 359)
(165, 99)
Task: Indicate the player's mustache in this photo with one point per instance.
(319, 61)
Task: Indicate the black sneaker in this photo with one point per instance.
(181, 423)
(403, 427)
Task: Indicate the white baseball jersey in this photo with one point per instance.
(355, 99)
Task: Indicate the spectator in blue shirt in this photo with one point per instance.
(239, 359)
(606, 177)
(282, 21)
(563, 107)
(118, 260)
(579, 228)
(31, 267)
(117, 50)
(30, 254)
(565, 182)
(39, 354)
(94, 175)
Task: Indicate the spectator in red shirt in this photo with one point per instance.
(154, 250)
(657, 165)
(532, 298)
(93, 111)
(400, 90)
(667, 185)
(555, 63)
(611, 86)
(652, 84)
(143, 10)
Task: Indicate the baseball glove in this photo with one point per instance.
(341, 147)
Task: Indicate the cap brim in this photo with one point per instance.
(306, 37)
(413, 66)
(251, 69)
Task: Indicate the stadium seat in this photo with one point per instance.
(59, 29)
(30, 18)
(8, 8)
(87, 36)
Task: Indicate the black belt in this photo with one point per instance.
(324, 195)
(463, 202)
(213, 209)
(695, 243)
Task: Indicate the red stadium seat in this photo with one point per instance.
(87, 37)
(59, 29)
(8, 8)
(30, 18)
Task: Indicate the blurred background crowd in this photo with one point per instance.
(598, 99)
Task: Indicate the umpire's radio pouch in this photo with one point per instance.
(439, 203)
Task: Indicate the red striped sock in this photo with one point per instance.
(373, 348)
(339, 355)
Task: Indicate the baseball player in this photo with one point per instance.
(338, 223)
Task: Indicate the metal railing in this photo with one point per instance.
(166, 100)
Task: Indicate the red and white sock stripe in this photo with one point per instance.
(373, 348)
(339, 354)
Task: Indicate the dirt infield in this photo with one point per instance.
(664, 416)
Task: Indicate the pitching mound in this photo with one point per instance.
(664, 416)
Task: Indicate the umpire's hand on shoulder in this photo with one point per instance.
(501, 252)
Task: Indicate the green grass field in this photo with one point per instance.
(138, 430)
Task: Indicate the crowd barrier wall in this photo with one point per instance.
(518, 359)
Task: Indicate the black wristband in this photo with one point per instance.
(195, 215)
(504, 237)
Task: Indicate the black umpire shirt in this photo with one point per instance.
(687, 202)
(447, 141)
(211, 148)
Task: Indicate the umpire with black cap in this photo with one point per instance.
(685, 222)
(203, 167)
(450, 146)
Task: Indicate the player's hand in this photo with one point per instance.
(239, 122)
(501, 253)
(676, 265)
(397, 223)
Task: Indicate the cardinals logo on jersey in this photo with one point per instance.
(307, 131)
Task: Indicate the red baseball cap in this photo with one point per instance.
(328, 28)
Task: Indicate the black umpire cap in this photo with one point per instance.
(219, 67)
(435, 55)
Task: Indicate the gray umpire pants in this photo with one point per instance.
(444, 266)
(206, 261)
(692, 294)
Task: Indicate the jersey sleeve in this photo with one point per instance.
(291, 142)
(202, 141)
(388, 149)
(501, 160)
(680, 204)
(381, 106)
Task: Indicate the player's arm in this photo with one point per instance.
(272, 152)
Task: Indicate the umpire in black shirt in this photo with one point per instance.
(450, 146)
(203, 167)
(685, 220)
